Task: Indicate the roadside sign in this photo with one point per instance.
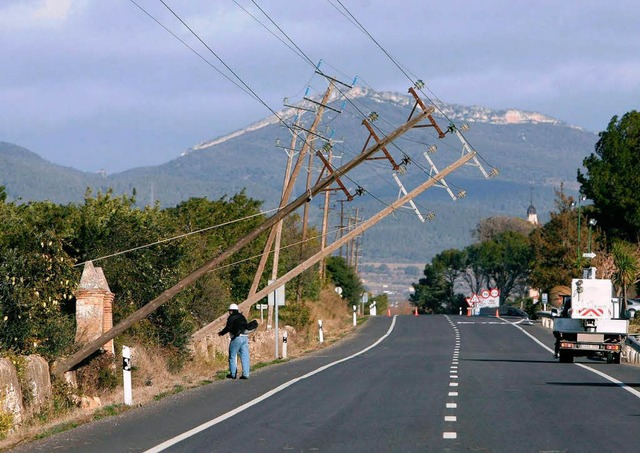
(485, 293)
(277, 295)
(261, 306)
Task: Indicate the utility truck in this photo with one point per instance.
(590, 324)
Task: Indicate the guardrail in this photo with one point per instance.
(631, 350)
(546, 319)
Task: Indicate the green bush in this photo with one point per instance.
(297, 315)
(6, 422)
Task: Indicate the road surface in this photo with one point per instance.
(403, 384)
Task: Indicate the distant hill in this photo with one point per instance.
(533, 152)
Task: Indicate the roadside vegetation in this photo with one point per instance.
(513, 255)
(142, 252)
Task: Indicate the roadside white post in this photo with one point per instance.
(284, 344)
(354, 316)
(320, 330)
(126, 374)
(373, 311)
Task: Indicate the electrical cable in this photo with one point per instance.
(162, 241)
(191, 49)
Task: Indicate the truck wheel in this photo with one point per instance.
(566, 357)
(613, 357)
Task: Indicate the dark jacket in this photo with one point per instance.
(236, 324)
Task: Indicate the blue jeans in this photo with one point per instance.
(239, 344)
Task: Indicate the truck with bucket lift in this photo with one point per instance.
(590, 323)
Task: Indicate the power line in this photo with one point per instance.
(191, 49)
(162, 241)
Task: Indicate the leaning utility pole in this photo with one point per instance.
(208, 329)
(168, 294)
(288, 187)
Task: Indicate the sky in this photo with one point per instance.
(101, 85)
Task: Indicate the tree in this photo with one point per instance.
(115, 232)
(451, 263)
(38, 279)
(626, 258)
(344, 276)
(613, 177)
(474, 275)
(554, 246)
(431, 292)
(488, 228)
(507, 259)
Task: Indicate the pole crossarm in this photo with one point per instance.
(433, 170)
(210, 328)
(387, 155)
(424, 108)
(329, 169)
(70, 362)
(411, 203)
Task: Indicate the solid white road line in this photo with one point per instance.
(611, 379)
(192, 432)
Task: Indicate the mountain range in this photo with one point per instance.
(534, 153)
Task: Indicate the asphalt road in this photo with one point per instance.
(405, 384)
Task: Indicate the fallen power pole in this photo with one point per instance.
(209, 328)
(70, 362)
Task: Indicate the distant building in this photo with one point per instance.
(532, 214)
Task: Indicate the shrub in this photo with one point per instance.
(98, 375)
(6, 422)
(297, 315)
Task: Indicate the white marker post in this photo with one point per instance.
(284, 344)
(320, 331)
(126, 374)
(354, 316)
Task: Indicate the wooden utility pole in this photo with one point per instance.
(325, 223)
(168, 294)
(288, 186)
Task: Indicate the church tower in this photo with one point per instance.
(532, 214)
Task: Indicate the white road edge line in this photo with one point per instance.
(170, 442)
(611, 379)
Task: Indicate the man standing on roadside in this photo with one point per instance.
(236, 327)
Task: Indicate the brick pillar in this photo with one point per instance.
(94, 303)
(107, 320)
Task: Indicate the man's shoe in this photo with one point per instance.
(231, 376)
(244, 377)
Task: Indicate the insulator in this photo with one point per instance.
(419, 84)
(432, 149)
(285, 101)
(373, 116)
(462, 193)
(464, 127)
(431, 215)
(494, 172)
(402, 169)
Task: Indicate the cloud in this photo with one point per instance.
(37, 14)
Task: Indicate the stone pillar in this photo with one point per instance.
(94, 306)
